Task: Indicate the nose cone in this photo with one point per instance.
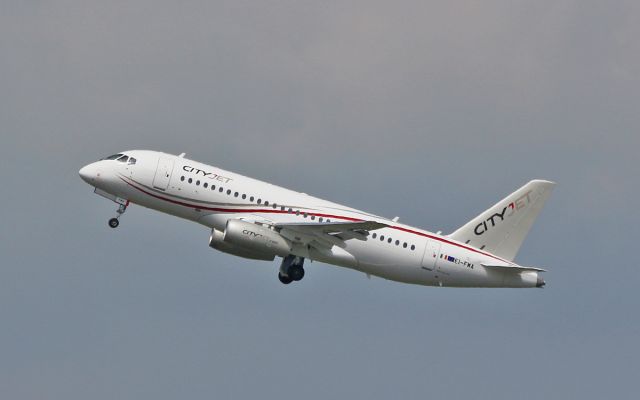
(89, 173)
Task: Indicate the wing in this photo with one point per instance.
(327, 234)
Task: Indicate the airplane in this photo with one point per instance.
(260, 221)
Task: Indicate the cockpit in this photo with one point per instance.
(123, 158)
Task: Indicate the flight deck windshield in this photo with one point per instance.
(123, 158)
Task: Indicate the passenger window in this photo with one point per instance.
(251, 199)
(213, 187)
(382, 238)
(320, 219)
(259, 201)
(221, 189)
(190, 180)
(236, 194)
(389, 240)
(205, 185)
(197, 183)
(374, 235)
(413, 247)
(404, 245)
(313, 217)
(228, 191)
(182, 178)
(244, 196)
(397, 243)
(266, 204)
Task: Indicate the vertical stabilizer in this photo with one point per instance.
(502, 228)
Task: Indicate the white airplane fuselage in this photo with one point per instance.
(212, 197)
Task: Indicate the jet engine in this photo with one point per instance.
(249, 240)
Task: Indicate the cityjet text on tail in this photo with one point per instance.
(256, 220)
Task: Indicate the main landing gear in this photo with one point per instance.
(291, 269)
(114, 222)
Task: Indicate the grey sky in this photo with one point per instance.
(427, 110)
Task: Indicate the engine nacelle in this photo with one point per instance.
(248, 240)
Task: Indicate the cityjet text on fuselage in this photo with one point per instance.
(210, 175)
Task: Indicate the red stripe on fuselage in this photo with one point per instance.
(270, 211)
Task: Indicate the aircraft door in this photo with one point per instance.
(430, 256)
(163, 173)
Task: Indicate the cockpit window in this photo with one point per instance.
(123, 158)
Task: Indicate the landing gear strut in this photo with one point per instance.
(114, 222)
(291, 269)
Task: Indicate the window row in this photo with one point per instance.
(289, 210)
(252, 199)
(390, 240)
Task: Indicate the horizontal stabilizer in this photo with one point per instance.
(513, 267)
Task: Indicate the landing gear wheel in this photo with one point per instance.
(291, 269)
(113, 222)
(284, 279)
(296, 272)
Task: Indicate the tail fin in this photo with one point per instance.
(502, 228)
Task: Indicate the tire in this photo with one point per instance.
(296, 273)
(113, 222)
(284, 279)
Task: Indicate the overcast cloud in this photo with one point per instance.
(429, 110)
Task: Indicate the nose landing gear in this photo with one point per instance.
(122, 205)
(291, 269)
(114, 222)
